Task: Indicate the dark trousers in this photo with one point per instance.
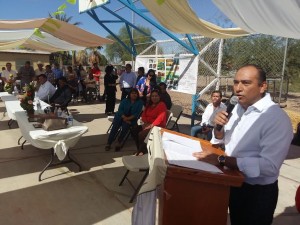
(253, 204)
(117, 123)
(110, 100)
(125, 92)
(139, 135)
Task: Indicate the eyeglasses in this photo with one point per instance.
(151, 75)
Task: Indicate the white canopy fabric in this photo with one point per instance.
(56, 35)
(273, 17)
(177, 16)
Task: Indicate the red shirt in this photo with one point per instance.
(96, 72)
(156, 116)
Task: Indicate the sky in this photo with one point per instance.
(31, 9)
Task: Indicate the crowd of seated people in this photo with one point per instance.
(126, 117)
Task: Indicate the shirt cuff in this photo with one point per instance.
(216, 141)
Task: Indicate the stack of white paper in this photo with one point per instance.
(179, 152)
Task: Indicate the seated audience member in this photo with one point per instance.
(210, 111)
(154, 114)
(46, 89)
(62, 95)
(164, 95)
(6, 73)
(127, 115)
(90, 86)
(146, 85)
(73, 84)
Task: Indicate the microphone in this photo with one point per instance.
(232, 102)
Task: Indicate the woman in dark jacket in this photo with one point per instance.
(110, 89)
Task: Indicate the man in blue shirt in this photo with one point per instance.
(257, 136)
(127, 81)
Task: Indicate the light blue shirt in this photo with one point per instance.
(259, 138)
(127, 80)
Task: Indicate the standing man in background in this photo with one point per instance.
(26, 74)
(40, 70)
(257, 136)
(127, 81)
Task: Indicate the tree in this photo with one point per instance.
(116, 52)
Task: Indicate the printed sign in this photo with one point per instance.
(178, 72)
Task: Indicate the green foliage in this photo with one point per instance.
(266, 51)
(116, 52)
(293, 65)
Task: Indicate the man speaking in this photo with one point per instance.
(257, 136)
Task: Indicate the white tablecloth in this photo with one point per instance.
(8, 98)
(14, 106)
(4, 94)
(60, 140)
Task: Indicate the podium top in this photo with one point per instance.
(159, 168)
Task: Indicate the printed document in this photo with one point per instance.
(179, 152)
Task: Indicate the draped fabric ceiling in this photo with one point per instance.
(177, 16)
(55, 35)
(273, 17)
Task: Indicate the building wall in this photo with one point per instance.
(18, 59)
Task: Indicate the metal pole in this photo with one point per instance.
(132, 57)
(283, 68)
(219, 66)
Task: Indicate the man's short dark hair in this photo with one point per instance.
(42, 75)
(63, 79)
(262, 76)
(217, 91)
(163, 84)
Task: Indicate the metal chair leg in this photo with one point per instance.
(139, 187)
(124, 177)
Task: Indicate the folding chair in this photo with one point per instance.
(135, 164)
(111, 119)
(169, 117)
(173, 123)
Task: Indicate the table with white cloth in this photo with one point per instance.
(59, 141)
(13, 106)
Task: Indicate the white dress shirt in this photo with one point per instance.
(44, 90)
(259, 138)
(6, 73)
(210, 112)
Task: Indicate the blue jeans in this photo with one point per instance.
(198, 129)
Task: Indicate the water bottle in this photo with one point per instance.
(59, 112)
(70, 120)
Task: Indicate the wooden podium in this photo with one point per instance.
(195, 197)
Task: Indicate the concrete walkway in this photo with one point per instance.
(93, 196)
